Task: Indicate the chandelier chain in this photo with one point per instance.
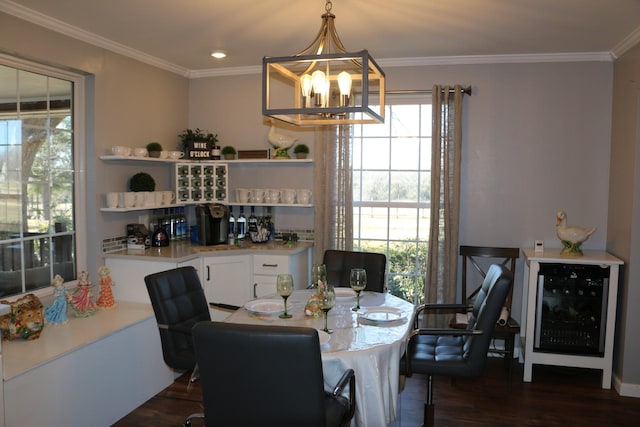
(328, 6)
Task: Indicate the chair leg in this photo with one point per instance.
(428, 404)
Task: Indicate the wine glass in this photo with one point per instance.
(318, 274)
(327, 300)
(285, 288)
(358, 280)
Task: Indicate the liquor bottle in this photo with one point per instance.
(241, 224)
(160, 236)
(268, 223)
(182, 224)
(215, 152)
(253, 221)
(232, 222)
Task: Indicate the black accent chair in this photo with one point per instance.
(178, 302)
(265, 375)
(340, 263)
(478, 258)
(457, 352)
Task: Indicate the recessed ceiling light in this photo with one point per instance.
(219, 54)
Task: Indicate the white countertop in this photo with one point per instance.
(180, 251)
(555, 255)
(55, 341)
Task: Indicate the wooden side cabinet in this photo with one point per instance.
(569, 310)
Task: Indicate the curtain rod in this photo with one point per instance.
(465, 91)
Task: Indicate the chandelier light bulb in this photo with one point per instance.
(306, 84)
(344, 83)
(320, 88)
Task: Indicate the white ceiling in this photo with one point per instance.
(179, 34)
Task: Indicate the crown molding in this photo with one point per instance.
(440, 60)
(229, 71)
(627, 43)
(56, 25)
(497, 59)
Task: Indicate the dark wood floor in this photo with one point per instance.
(565, 397)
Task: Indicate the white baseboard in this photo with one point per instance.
(626, 389)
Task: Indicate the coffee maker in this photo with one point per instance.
(213, 224)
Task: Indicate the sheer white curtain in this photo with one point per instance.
(445, 194)
(333, 197)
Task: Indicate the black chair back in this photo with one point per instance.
(255, 375)
(340, 263)
(178, 302)
(479, 258)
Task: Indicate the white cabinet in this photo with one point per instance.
(128, 275)
(227, 280)
(535, 291)
(267, 267)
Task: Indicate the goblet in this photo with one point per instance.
(285, 288)
(327, 301)
(358, 280)
(318, 275)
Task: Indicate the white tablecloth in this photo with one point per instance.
(373, 351)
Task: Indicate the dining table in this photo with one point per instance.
(370, 341)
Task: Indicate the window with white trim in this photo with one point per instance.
(38, 188)
(391, 165)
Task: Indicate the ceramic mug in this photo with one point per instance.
(257, 195)
(120, 150)
(274, 195)
(139, 199)
(176, 155)
(164, 154)
(149, 198)
(112, 199)
(304, 196)
(289, 196)
(140, 152)
(168, 197)
(129, 199)
(243, 194)
(158, 198)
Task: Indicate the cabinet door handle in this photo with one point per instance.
(208, 273)
(255, 292)
(270, 265)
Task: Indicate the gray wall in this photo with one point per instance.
(624, 210)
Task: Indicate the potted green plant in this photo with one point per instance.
(142, 181)
(154, 149)
(189, 137)
(301, 151)
(228, 152)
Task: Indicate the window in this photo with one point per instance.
(37, 177)
(391, 166)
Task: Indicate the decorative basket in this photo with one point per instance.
(261, 235)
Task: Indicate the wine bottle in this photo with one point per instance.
(232, 222)
(241, 224)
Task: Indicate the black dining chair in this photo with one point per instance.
(266, 375)
(178, 303)
(457, 352)
(339, 264)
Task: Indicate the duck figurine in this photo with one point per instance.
(571, 236)
(281, 143)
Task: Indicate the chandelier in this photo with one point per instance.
(323, 84)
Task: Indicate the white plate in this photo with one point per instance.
(381, 314)
(265, 306)
(345, 293)
(323, 337)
